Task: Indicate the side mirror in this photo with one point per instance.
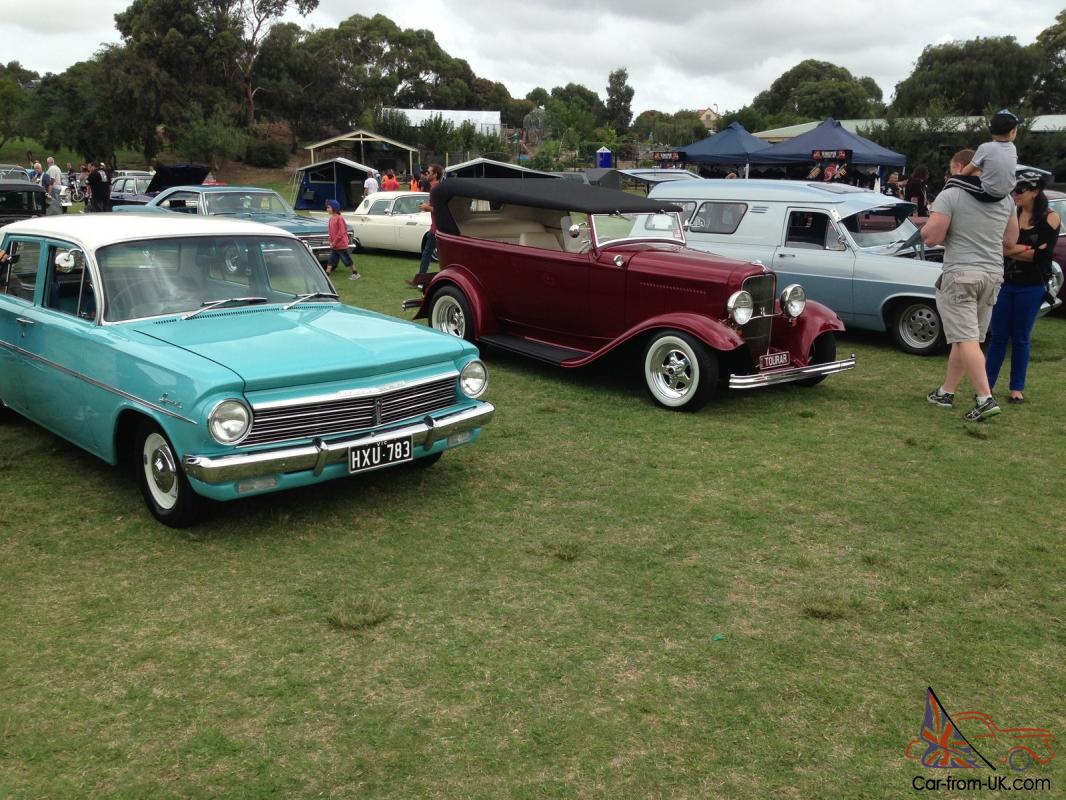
(574, 231)
(67, 262)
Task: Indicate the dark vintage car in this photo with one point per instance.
(20, 200)
(1057, 203)
(566, 273)
(141, 189)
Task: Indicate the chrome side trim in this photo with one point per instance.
(788, 375)
(315, 456)
(96, 383)
(349, 394)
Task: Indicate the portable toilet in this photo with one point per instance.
(603, 158)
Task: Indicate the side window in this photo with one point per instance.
(20, 272)
(70, 288)
(406, 205)
(185, 202)
(118, 186)
(807, 229)
(718, 217)
(379, 208)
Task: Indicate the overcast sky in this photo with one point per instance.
(721, 55)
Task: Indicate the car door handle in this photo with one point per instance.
(24, 321)
(410, 222)
(786, 255)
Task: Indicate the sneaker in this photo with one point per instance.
(982, 411)
(355, 276)
(944, 400)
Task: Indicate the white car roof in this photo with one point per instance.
(373, 196)
(847, 200)
(93, 231)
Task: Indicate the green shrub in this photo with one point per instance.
(266, 153)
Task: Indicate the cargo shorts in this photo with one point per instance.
(965, 300)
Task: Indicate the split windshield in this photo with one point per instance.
(638, 226)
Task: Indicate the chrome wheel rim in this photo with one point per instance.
(448, 316)
(671, 371)
(160, 471)
(919, 327)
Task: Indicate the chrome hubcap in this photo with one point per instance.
(672, 371)
(448, 317)
(921, 326)
(160, 470)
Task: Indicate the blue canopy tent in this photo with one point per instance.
(733, 145)
(337, 179)
(830, 135)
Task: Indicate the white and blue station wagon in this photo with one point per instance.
(215, 356)
(856, 251)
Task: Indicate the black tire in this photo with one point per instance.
(449, 312)
(916, 327)
(680, 371)
(823, 350)
(165, 488)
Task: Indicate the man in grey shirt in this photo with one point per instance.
(973, 234)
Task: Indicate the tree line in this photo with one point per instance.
(217, 79)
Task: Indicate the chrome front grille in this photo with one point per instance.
(348, 414)
(317, 240)
(762, 289)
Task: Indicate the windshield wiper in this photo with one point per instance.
(309, 296)
(207, 305)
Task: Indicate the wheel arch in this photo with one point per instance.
(456, 279)
(125, 432)
(891, 303)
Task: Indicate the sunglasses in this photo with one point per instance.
(1023, 189)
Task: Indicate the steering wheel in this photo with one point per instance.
(231, 258)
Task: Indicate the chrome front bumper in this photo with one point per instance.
(776, 376)
(315, 456)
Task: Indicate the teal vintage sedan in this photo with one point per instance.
(214, 355)
(241, 202)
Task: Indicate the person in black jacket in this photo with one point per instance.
(1026, 272)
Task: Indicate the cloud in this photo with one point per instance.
(677, 57)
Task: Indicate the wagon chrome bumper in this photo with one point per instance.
(776, 376)
(316, 455)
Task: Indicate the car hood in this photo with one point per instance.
(290, 222)
(309, 344)
(177, 175)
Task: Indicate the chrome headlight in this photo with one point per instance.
(474, 379)
(1056, 279)
(229, 421)
(793, 300)
(740, 307)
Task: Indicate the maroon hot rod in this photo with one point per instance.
(566, 273)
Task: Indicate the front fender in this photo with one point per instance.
(798, 335)
(460, 278)
(714, 333)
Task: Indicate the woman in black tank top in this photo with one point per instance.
(1026, 270)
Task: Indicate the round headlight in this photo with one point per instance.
(229, 421)
(793, 300)
(474, 379)
(740, 307)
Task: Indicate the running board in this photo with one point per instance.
(538, 350)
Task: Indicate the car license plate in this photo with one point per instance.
(772, 360)
(375, 455)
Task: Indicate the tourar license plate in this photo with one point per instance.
(772, 360)
(375, 455)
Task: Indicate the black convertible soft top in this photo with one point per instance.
(557, 195)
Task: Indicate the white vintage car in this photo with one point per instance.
(391, 221)
(854, 250)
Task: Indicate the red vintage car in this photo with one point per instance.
(567, 273)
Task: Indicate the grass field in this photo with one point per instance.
(597, 599)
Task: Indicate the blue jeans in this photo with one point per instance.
(427, 252)
(1012, 318)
